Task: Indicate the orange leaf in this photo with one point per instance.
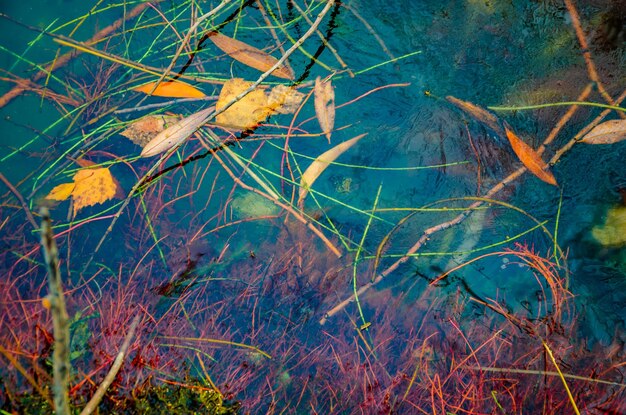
(249, 55)
(172, 89)
(325, 105)
(529, 157)
(93, 186)
(61, 192)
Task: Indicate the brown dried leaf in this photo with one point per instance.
(608, 132)
(321, 163)
(480, 114)
(529, 157)
(284, 100)
(143, 130)
(249, 55)
(176, 134)
(246, 113)
(325, 105)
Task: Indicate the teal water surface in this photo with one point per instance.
(225, 274)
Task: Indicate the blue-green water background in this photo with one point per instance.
(489, 53)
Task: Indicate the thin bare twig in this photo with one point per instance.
(463, 215)
(66, 57)
(591, 67)
(117, 365)
(185, 41)
(60, 319)
(17, 194)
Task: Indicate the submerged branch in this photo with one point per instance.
(60, 319)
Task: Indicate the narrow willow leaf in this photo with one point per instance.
(249, 55)
(176, 134)
(479, 113)
(321, 163)
(325, 105)
(171, 89)
(529, 158)
(608, 132)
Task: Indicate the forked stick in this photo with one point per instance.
(463, 215)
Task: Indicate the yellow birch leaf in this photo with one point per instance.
(529, 157)
(320, 164)
(93, 186)
(171, 89)
(61, 192)
(246, 113)
(325, 105)
(249, 55)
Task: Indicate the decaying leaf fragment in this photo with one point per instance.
(325, 105)
(176, 134)
(613, 231)
(172, 89)
(321, 163)
(256, 106)
(249, 55)
(143, 130)
(90, 186)
(529, 158)
(284, 100)
(608, 132)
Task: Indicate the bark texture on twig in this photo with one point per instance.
(60, 319)
(117, 365)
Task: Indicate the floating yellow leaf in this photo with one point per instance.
(246, 113)
(321, 163)
(93, 186)
(143, 130)
(529, 157)
(172, 89)
(613, 232)
(325, 105)
(249, 55)
(176, 134)
(608, 132)
(61, 192)
(90, 187)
